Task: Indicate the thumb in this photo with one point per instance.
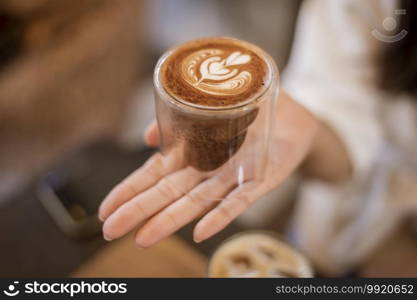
(151, 135)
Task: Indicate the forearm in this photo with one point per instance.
(326, 157)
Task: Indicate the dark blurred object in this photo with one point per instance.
(11, 31)
(32, 244)
(70, 84)
(69, 211)
(73, 191)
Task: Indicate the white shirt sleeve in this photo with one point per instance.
(331, 72)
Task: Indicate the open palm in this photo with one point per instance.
(163, 196)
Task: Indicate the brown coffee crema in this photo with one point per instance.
(214, 72)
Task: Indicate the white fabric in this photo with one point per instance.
(331, 72)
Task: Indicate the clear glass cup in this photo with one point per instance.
(255, 254)
(231, 140)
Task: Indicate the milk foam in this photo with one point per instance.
(217, 72)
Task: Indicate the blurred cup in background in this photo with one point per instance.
(258, 254)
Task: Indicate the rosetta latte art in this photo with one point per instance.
(213, 72)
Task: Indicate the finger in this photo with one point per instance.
(230, 208)
(203, 197)
(146, 204)
(152, 135)
(146, 176)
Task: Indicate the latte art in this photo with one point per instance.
(215, 72)
(212, 72)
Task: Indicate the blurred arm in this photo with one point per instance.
(328, 159)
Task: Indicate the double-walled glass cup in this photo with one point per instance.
(231, 142)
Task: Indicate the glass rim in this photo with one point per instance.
(273, 75)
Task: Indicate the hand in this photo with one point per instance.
(147, 195)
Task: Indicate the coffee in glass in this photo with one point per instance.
(215, 105)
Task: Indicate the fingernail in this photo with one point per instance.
(197, 240)
(107, 238)
(200, 238)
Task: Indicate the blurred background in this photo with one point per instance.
(75, 97)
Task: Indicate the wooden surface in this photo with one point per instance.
(170, 258)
